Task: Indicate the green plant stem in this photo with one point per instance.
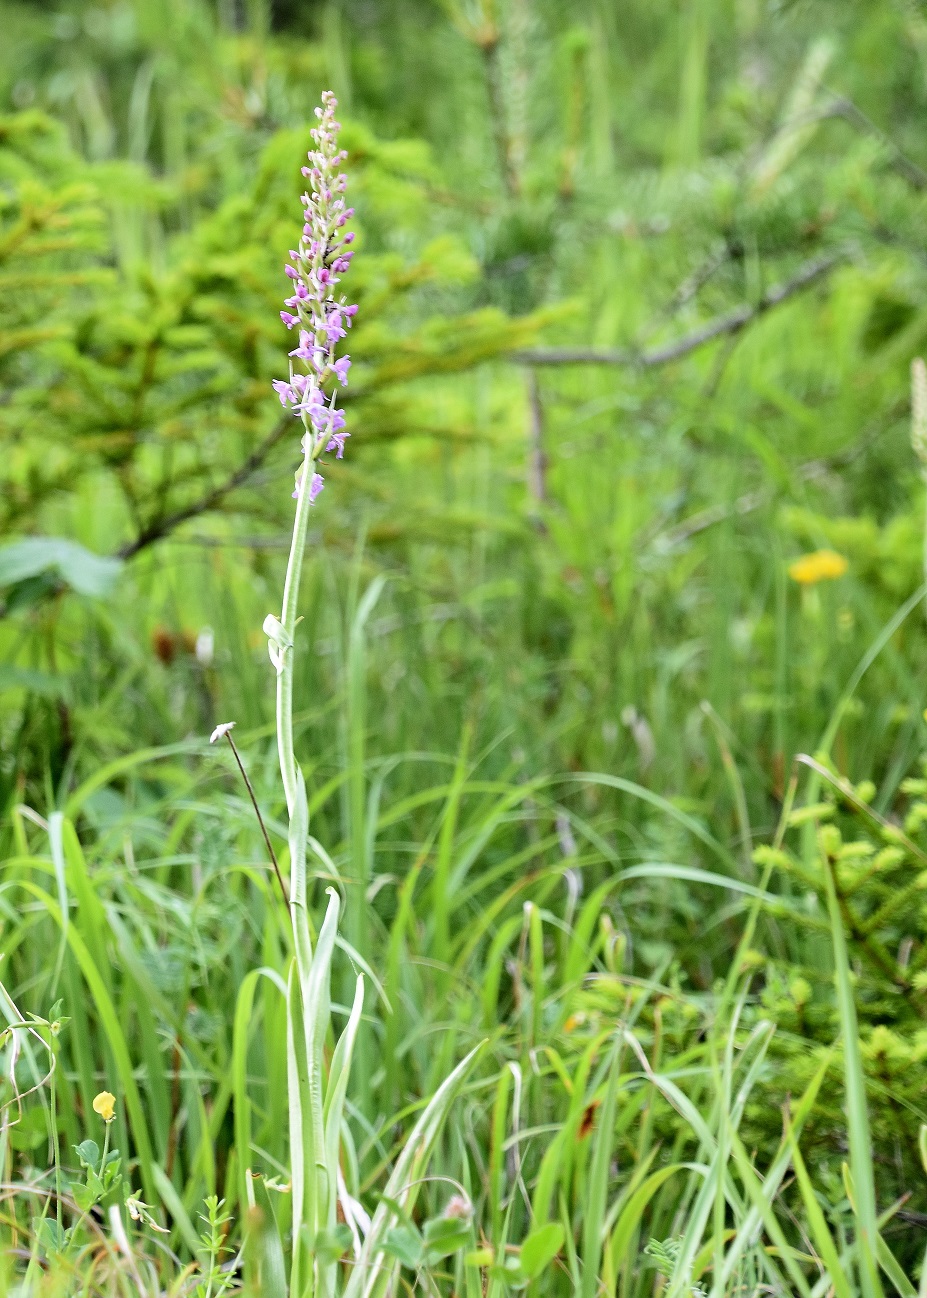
(257, 811)
(53, 1107)
(303, 997)
(860, 1140)
(105, 1149)
(288, 622)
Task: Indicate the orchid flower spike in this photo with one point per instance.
(322, 318)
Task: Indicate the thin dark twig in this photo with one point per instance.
(488, 43)
(719, 365)
(843, 109)
(281, 542)
(537, 457)
(693, 282)
(809, 471)
(731, 322)
(162, 527)
(850, 112)
(257, 812)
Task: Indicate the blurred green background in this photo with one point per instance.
(640, 285)
(569, 546)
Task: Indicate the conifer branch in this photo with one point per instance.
(732, 322)
(160, 528)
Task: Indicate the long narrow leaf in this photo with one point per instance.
(371, 1275)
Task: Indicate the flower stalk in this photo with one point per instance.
(314, 271)
(317, 1086)
(315, 1101)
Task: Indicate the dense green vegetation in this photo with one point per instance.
(603, 780)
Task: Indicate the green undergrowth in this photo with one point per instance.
(664, 1033)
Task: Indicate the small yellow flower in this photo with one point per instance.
(822, 565)
(105, 1105)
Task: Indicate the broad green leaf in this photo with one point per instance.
(445, 1235)
(330, 1245)
(28, 678)
(85, 572)
(88, 1151)
(540, 1248)
(405, 1244)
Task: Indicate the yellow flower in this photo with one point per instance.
(105, 1105)
(822, 565)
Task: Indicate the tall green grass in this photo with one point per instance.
(610, 1105)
